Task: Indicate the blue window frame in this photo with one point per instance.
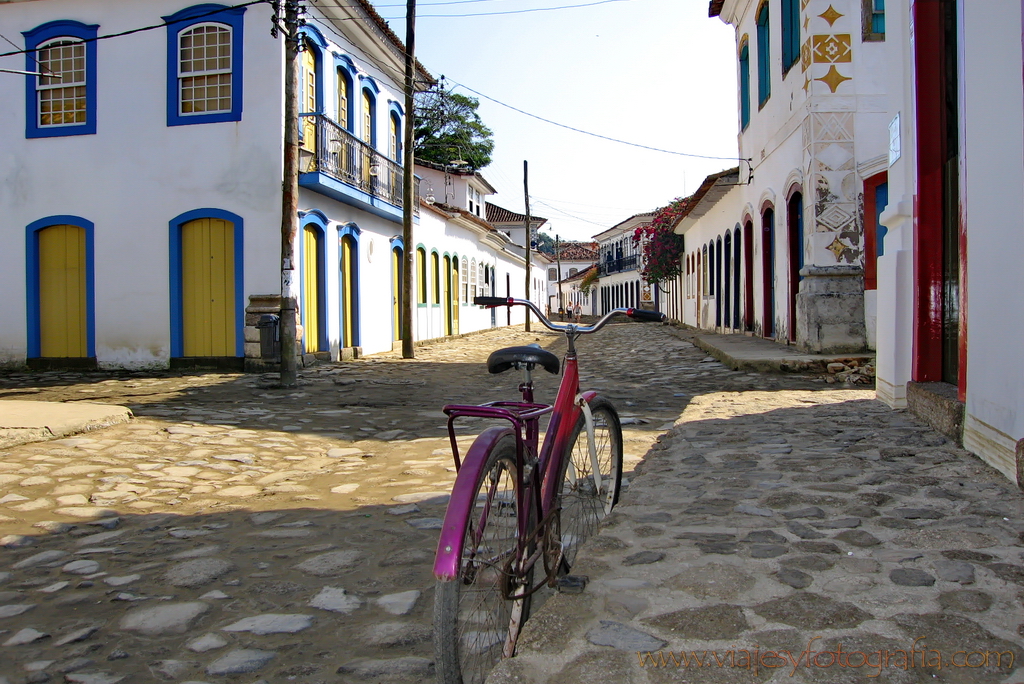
(61, 101)
(344, 106)
(874, 20)
(764, 74)
(790, 33)
(368, 112)
(744, 86)
(204, 65)
(395, 147)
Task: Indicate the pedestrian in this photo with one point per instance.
(577, 311)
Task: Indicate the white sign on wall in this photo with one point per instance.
(894, 139)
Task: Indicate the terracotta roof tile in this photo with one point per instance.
(496, 214)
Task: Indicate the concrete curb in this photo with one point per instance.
(22, 422)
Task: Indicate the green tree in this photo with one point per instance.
(448, 128)
(545, 243)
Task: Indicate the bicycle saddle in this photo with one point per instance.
(513, 357)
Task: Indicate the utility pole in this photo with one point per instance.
(529, 236)
(290, 193)
(558, 261)
(407, 182)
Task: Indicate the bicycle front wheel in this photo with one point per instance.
(474, 622)
(586, 498)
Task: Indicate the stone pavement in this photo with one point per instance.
(234, 532)
(794, 536)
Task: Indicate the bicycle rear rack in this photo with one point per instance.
(516, 412)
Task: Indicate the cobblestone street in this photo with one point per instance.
(236, 531)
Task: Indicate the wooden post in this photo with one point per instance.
(408, 196)
(526, 192)
(290, 197)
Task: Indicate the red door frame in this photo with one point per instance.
(794, 207)
(929, 46)
(871, 228)
(768, 272)
(748, 274)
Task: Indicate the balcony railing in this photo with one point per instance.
(618, 265)
(328, 148)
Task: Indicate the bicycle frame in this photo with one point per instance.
(524, 417)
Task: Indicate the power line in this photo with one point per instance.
(522, 11)
(595, 135)
(572, 216)
(144, 28)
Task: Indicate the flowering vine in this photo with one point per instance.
(588, 280)
(662, 248)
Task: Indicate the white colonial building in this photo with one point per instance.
(619, 281)
(950, 314)
(782, 254)
(143, 182)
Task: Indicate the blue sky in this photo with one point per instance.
(653, 72)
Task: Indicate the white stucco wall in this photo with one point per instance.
(136, 174)
(992, 130)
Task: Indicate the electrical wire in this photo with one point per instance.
(594, 135)
(521, 11)
(144, 28)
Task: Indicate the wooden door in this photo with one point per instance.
(63, 330)
(208, 287)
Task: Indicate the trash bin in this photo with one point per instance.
(270, 341)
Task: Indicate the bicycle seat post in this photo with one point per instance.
(526, 386)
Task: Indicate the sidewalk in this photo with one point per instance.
(744, 352)
(22, 422)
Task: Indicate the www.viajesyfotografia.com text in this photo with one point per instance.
(755, 659)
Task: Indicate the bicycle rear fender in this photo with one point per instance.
(461, 503)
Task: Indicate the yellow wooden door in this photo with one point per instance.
(208, 287)
(310, 290)
(455, 296)
(62, 292)
(396, 292)
(347, 293)
(307, 105)
(446, 296)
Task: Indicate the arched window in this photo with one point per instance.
(64, 102)
(704, 271)
(465, 280)
(421, 275)
(368, 133)
(764, 78)
(204, 82)
(344, 92)
(472, 281)
(395, 138)
(744, 85)
(790, 33)
(435, 267)
(573, 271)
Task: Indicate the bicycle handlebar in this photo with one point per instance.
(641, 315)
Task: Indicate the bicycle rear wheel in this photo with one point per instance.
(584, 501)
(474, 624)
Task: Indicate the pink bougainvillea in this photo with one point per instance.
(662, 248)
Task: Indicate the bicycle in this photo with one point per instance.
(514, 506)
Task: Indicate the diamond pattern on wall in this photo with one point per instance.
(833, 127)
(833, 79)
(805, 55)
(834, 157)
(834, 217)
(831, 49)
(830, 15)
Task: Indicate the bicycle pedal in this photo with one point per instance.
(572, 584)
